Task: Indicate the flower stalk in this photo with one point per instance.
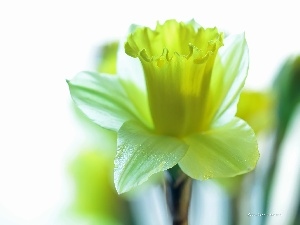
(178, 194)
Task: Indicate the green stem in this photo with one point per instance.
(297, 217)
(178, 193)
(235, 209)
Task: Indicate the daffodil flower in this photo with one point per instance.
(173, 101)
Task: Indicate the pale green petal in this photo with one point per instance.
(226, 151)
(141, 154)
(132, 78)
(102, 99)
(228, 78)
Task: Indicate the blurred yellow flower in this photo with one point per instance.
(257, 108)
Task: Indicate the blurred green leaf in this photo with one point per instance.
(287, 89)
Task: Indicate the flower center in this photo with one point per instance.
(177, 60)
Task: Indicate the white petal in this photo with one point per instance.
(228, 78)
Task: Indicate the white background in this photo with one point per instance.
(42, 43)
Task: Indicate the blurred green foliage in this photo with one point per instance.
(107, 61)
(95, 195)
(287, 89)
(92, 172)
